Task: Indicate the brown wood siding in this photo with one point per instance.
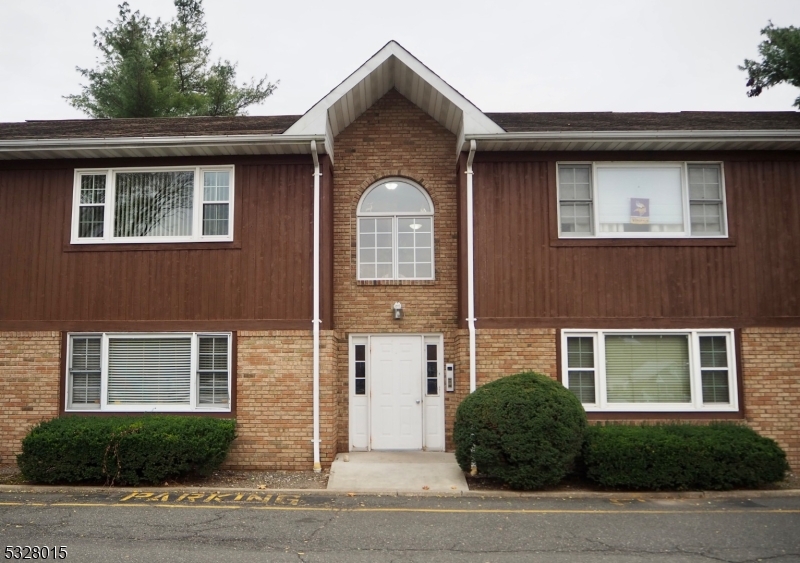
(526, 276)
(262, 280)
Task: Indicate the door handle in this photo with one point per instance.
(418, 401)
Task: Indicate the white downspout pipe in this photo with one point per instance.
(316, 320)
(471, 271)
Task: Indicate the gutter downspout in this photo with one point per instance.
(471, 271)
(316, 320)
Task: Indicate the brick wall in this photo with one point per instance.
(771, 368)
(502, 352)
(393, 138)
(30, 372)
(274, 400)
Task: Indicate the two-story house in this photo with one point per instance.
(341, 280)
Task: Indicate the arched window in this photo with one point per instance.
(395, 232)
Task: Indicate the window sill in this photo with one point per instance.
(657, 408)
(673, 415)
(122, 247)
(642, 242)
(395, 282)
(88, 412)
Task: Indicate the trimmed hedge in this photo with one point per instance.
(124, 450)
(525, 430)
(681, 456)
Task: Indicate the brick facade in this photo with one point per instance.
(274, 400)
(394, 138)
(30, 372)
(502, 352)
(771, 377)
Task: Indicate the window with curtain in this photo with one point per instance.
(156, 205)
(395, 232)
(149, 372)
(633, 199)
(650, 371)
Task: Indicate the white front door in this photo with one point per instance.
(396, 389)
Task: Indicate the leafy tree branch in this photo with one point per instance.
(780, 54)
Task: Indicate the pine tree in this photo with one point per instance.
(162, 69)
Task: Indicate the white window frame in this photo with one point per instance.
(601, 403)
(108, 216)
(395, 216)
(193, 405)
(596, 196)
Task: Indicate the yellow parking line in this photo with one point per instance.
(528, 511)
(418, 510)
(79, 504)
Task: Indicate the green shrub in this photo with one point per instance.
(124, 450)
(681, 456)
(525, 429)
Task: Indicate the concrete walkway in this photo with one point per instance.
(396, 472)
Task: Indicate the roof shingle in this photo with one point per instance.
(511, 122)
(146, 127)
(647, 121)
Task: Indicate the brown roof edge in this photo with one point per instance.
(647, 121)
(511, 122)
(147, 127)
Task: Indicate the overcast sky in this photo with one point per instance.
(609, 55)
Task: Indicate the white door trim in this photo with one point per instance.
(360, 405)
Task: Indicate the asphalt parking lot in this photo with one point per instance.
(252, 525)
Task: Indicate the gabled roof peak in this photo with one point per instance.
(393, 67)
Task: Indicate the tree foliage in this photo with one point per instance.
(780, 54)
(152, 68)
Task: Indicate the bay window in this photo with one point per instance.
(148, 372)
(635, 200)
(630, 370)
(125, 205)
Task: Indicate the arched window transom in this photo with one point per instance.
(395, 232)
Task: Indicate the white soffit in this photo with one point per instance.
(393, 67)
(638, 140)
(214, 145)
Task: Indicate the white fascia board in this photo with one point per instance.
(475, 121)
(460, 139)
(328, 148)
(13, 145)
(687, 135)
(666, 137)
(313, 120)
(473, 125)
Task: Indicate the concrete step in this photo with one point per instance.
(396, 472)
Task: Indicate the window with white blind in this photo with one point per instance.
(630, 370)
(395, 232)
(176, 204)
(149, 372)
(641, 200)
